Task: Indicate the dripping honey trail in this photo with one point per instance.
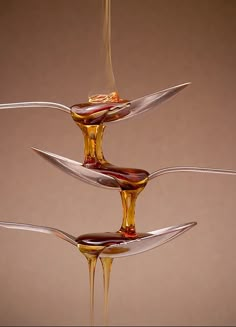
(106, 265)
(91, 254)
(131, 181)
(107, 41)
(92, 245)
(89, 117)
(109, 83)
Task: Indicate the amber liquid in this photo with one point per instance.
(108, 84)
(131, 181)
(89, 117)
(105, 98)
(91, 245)
(91, 253)
(106, 265)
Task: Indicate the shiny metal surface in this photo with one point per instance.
(156, 238)
(124, 249)
(179, 169)
(76, 169)
(35, 104)
(141, 105)
(40, 229)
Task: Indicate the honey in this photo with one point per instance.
(91, 246)
(90, 118)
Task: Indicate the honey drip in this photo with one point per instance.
(93, 153)
(89, 117)
(92, 261)
(91, 254)
(106, 265)
(91, 245)
(111, 96)
(128, 178)
(132, 181)
(107, 41)
(129, 198)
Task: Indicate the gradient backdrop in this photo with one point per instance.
(49, 53)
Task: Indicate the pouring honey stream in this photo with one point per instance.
(89, 117)
(131, 181)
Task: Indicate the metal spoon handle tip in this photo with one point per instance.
(179, 169)
(40, 229)
(35, 104)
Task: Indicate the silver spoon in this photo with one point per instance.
(113, 111)
(40, 229)
(124, 249)
(141, 105)
(76, 169)
(96, 178)
(156, 238)
(88, 175)
(96, 113)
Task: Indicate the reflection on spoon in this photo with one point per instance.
(148, 242)
(99, 179)
(40, 229)
(126, 247)
(76, 169)
(96, 113)
(185, 169)
(141, 105)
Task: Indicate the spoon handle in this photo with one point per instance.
(191, 169)
(35, 104)
(40, 229)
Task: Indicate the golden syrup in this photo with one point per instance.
(106, 265)
(131, 180)
(105, 98)
(129, 198)
(89, 117)
(91, 254)
(107, 78)
(95, 243)
(109, 85)
(91, 245)
(107, 42)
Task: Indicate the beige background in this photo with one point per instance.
(49, 53)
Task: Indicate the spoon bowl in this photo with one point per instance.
(140, 245)
(97, 113)
(126, 248)
(76, 169)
